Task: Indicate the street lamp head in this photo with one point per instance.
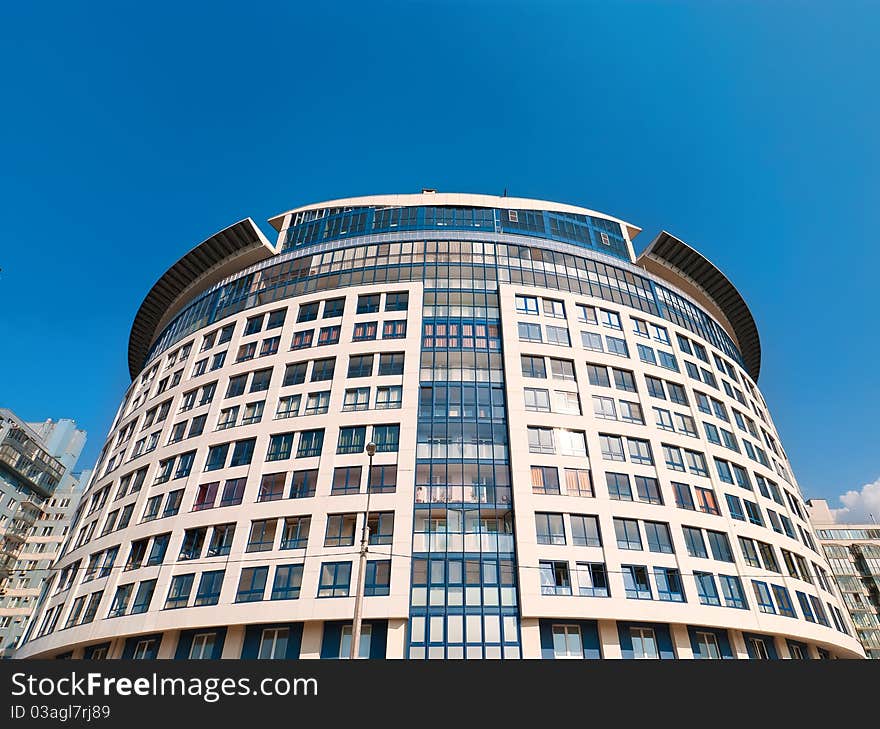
(371, 449)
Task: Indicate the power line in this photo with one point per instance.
(429, 555)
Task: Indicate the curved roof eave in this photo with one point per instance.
(241, 238)
(677, 255)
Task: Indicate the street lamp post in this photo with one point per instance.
(362, 568)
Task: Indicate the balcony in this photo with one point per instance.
(8, 558)
(29, 462)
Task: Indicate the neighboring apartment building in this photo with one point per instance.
(573, 457)
(853, 550)
(39, 495)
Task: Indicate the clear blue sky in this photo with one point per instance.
(129, 134)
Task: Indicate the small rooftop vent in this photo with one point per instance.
(428, 190)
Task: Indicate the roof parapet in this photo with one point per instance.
(687, 266)
(207, 263)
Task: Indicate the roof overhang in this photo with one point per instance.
(206, 264)
(694, 270)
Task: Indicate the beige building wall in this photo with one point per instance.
(59, 627)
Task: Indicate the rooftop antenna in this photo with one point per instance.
(505, 192)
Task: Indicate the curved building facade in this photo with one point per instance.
(573, 457)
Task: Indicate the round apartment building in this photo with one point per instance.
(573, 459)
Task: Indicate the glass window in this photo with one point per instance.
(731, 589)
(352, 439)
(386, 438)
(669, 587)
(598, 375)
(592, 579)
(585, 531)
(706, 501)
(272, 487)
(334, 308)
(553, 308)
(360, 365)
(734, 506)
(640, 451)
(382, 479)
(624, 380)
(706, 588)
(335, 579)
(252, 584)
(365, 331)
(636, 583)
(604, 408)
(762, 597)
(533, 366)
(221, 540)
(276, 319)
(287, 583)
(210, 584)
(296, 532)
(617, 346)
(389, 397)
(540, 440)
(545, 480)
(591, 341)
(280, 446)
(618, 486)
(394, 329)
(273, 643)
(658, 536)
(368, 303)
(340, 530)
(578, 482)
(233, 491)
(627, 532)
(302, 485)
(308, 312)
(529, 332)
(693, 538)
(644, 643)
(720, 546)
(346, 480)
(555, 578)
(526, 304)
(310, 443)
(242, 452)
(178, 593)
(262, 536)
(646, 354)
(322, 369)
(549, 528)
(783, 601)
(378, 580)
(631, 412)
(567, 642)
(288, 407)
(612, 447)
(302, 340)
(236, 386)
(397, 301)
(294, 374)
(537, 399)
(587, 314)
(562, 369)
(558, 336)
(390, 363)
(217, 457)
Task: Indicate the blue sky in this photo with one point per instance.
(747, 129)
